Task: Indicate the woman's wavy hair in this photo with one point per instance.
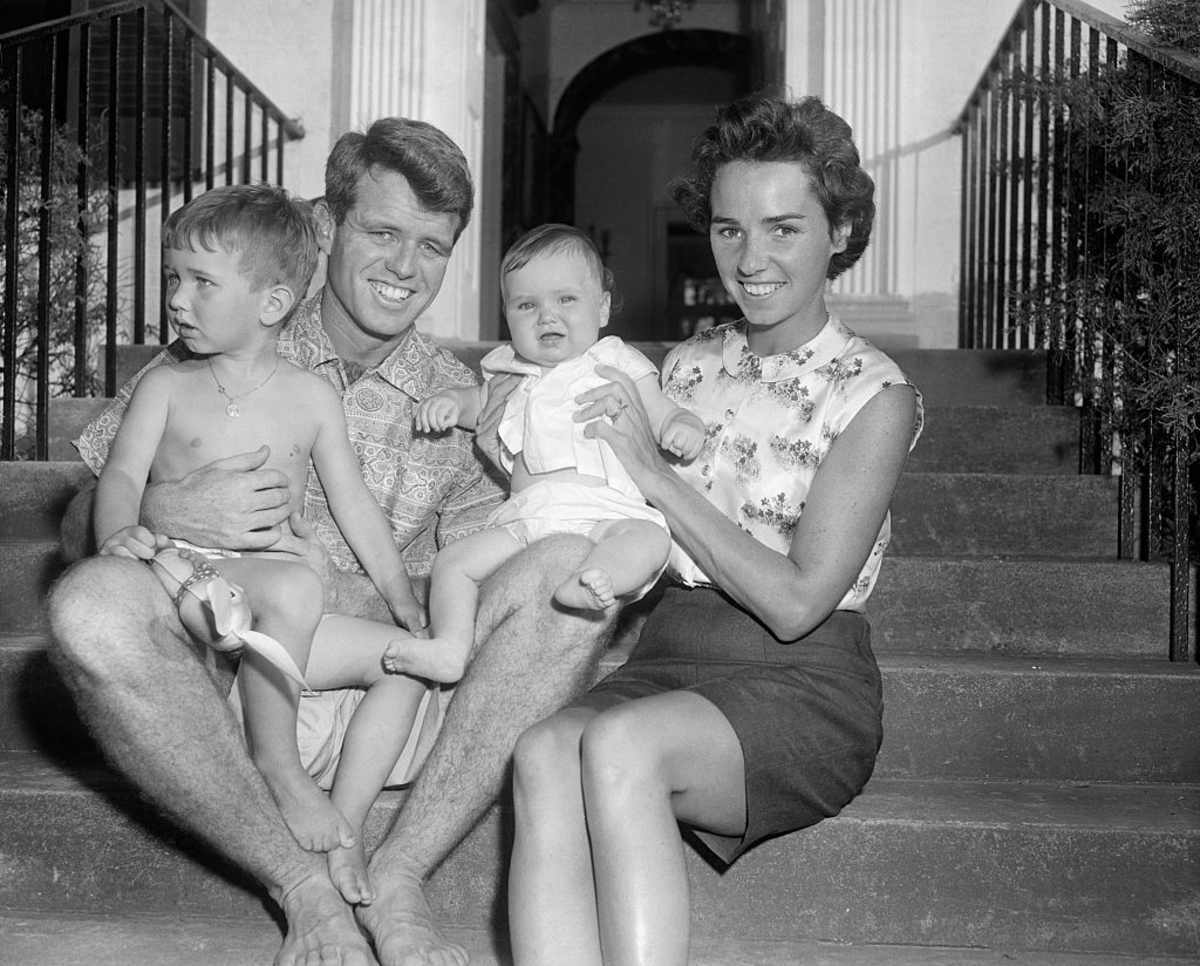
(766, 128)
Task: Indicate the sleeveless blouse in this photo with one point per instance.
(770, 421)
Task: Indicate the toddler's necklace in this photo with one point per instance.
(232, 409)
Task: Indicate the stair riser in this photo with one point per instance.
(997, 515)
(943, 722)
(34, 495)
(1021, 607)
(844, 880)
(27, 569)
(998, 439)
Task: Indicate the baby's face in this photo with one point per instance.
(555, 307)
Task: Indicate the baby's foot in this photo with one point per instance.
(590, 589)
(314, 820)
(348, 870)
(435, 659)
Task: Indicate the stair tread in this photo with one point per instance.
(1149, 808)
(61, 940)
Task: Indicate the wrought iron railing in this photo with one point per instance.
(98, 109)
(1046, 263)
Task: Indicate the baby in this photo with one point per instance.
(557, 297)
(236, 261)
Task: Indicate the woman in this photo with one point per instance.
(751, 705)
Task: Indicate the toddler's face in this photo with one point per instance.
(555, 307)
(210, 303)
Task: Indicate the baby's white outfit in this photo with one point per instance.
(538, 423)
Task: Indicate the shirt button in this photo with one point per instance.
(730, 413)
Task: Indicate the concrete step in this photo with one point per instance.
(1098, 608)
(33, 496)
(27, 569)
(957, 716)
(998, 439)
(1098, 869)
(55, 940)
(988, 514)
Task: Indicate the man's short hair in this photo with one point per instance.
(551, 239)
(432, 164)
(273, 232)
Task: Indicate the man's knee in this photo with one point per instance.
(544, 564)
(100, 611)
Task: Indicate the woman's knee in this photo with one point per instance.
(618, 752)
(546, 756)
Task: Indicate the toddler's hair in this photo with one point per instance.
(552, 239)
(274, 233)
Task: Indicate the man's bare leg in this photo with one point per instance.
(531, 658)
(164, 724)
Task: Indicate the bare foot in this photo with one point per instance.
(320, 928)
(435, 659)
(590, 589)
(348, 870)
(313, 819)
(401, 923)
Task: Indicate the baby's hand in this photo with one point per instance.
(136, 542)
(437, 413)
(683, 434)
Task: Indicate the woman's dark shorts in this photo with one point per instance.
(808, 713)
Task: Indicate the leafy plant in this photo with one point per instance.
(1132, 156)
(72, 248)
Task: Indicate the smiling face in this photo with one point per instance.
(555, 307)
(387, 259)
(772, 244)
(211, 305)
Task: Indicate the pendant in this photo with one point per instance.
(232, 410)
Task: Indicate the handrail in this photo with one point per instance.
(292, 127)
(90, 98)
(1044, 262)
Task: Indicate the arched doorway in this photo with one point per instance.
(622, 129)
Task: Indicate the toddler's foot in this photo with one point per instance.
(348, 870)
(313, 819)
(589, 589)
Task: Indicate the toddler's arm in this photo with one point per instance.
(122, 482)
(448, 408)
(356, 513)
(678, 430)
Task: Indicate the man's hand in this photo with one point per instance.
(232, 503)
(135, 541)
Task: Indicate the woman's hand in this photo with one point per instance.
(614, 413)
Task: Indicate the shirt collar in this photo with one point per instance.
(738, 359)
(406, 367)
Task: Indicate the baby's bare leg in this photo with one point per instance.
(628, 554)
(347, 652)
(458, 571)
(286, 600)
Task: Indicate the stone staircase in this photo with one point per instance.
(1037, 799)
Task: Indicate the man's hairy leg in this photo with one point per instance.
(164, 724)
(531, 657)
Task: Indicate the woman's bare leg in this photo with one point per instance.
(551, 898)
(646, 765)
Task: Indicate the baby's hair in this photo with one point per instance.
(273, 232)
(553, 239)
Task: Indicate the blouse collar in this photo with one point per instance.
(738, 359)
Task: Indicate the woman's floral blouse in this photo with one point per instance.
(771, 420)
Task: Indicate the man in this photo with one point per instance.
(397, 199)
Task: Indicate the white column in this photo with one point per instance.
(424, 59)
(804, 47)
